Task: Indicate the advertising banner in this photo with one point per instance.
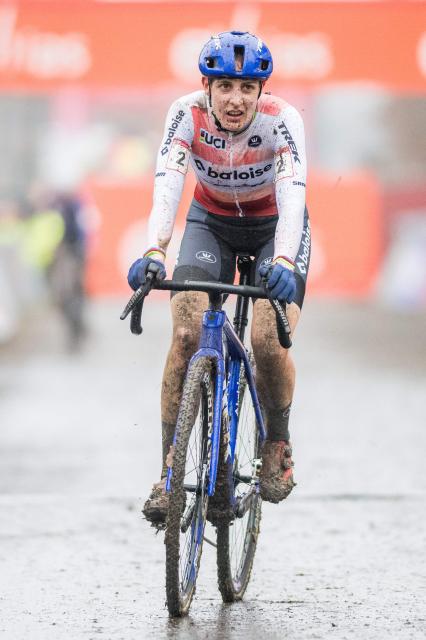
(342, 263)
(45, 45)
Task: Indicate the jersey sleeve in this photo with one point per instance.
(290, 182)
(171, 168)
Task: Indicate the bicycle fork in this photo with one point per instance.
(214, 322)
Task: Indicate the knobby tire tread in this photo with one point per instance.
(191, 398)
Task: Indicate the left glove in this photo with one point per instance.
(280, 279)
(137, 272)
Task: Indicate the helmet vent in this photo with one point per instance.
(264, 65)
(239, 57)
(210, 63)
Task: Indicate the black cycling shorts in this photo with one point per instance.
(211, 243)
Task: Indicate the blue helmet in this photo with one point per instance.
(217, 58)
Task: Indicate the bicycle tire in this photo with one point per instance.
(189, 508)
(234, 565)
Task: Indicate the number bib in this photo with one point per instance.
(283, 164)
(178, 157)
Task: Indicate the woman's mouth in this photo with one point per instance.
(234, 114)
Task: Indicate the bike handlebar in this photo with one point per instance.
(135, 303)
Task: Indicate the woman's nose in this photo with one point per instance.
(236, 97)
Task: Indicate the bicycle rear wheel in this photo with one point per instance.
(237, 539)
(188, 498)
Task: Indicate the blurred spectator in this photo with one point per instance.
(11, 231)
(55, 243)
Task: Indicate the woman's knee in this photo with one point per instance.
(187, 313)
(185, 339)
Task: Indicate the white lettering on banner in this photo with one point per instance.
(296, 55)
(42, 54)
(178, 157)
(421, 53)
(184, 50)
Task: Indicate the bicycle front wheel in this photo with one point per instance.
(188, 497)
(237, 539)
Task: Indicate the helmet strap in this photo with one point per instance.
(216, 119)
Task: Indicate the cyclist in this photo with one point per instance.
(247, 150)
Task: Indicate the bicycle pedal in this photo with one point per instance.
(158, 526)
(257, 465)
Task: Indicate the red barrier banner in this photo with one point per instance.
(45, 45)
(346, 220)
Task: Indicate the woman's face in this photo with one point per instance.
(233, 101)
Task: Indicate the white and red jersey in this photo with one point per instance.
(259, 172)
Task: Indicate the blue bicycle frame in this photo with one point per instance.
(215, 326)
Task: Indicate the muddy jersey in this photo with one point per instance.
(259, 172)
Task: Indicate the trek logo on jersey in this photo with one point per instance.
(251, 172)
(208, 138)
(171, 131)
(287, 137)
(255, 141)
(206, 256)
(302, 260)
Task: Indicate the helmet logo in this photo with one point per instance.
(216, 41)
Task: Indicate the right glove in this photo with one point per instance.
(152, 259)
(280, 280)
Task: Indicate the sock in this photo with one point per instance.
(277, 424)
(167, 432)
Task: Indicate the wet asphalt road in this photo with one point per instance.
(343, 557)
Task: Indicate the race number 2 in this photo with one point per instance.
(178, 157)
(283, 164)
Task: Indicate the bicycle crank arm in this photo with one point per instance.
(245, 501)
(187, 519)
(193, 488)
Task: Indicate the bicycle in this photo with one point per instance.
(214, 472)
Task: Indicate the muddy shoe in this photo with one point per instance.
(276, 474)
(156, 507)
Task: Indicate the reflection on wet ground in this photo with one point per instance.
(80, 447)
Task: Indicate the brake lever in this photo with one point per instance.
(135, 304)
(136, 318)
